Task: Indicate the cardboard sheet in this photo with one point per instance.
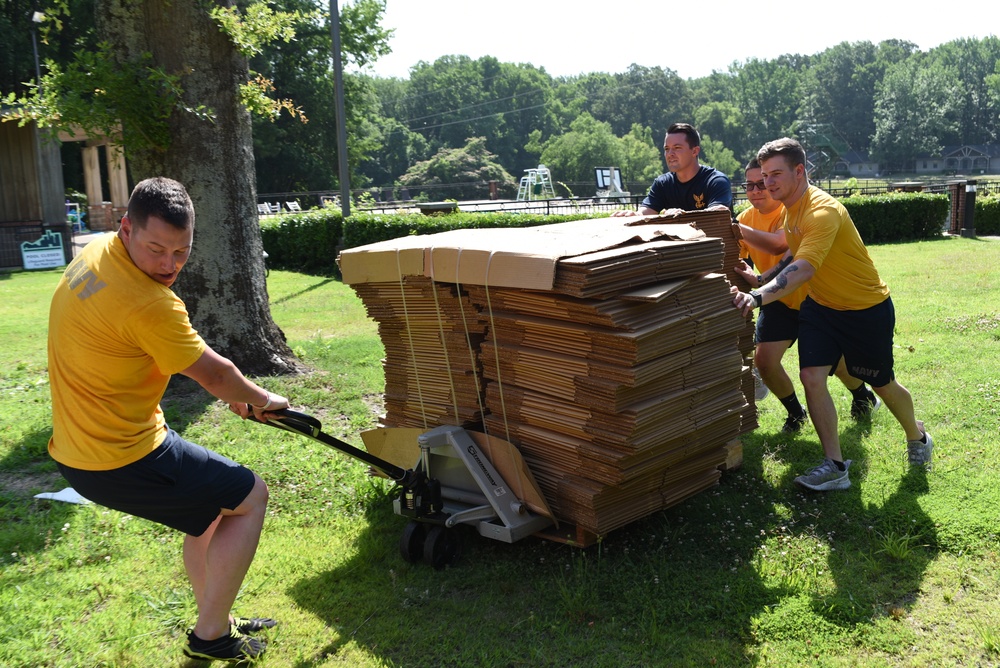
(399, 446)
(499, 257)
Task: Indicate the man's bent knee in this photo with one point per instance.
(255, 500)
(814, 376)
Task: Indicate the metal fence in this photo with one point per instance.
(398, 200)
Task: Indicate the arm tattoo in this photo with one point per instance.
(781, 280)
(776, 269)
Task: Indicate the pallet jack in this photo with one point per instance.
(453, 482)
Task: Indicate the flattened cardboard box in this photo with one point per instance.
(498, 257)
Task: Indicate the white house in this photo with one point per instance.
(966, 159)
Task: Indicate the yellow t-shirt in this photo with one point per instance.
(820, 231)
(762, 260)
(115, 338)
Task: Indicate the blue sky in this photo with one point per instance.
(572, 37)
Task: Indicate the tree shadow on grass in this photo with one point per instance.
(314, 286)
(27, 470)
(184, 402)
(703, 580)
(876, 552)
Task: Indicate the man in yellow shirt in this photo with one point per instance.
(778, 322)
(848, 312)
(117, 332)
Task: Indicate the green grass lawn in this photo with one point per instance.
(899, 570)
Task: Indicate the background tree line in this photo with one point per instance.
(464, 120)
(889, 100)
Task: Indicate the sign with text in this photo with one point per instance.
(45, 253)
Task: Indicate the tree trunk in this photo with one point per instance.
(223, 284)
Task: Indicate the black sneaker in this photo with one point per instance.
(865, 409)
(231, 647)
(253, 624)
(793, 423)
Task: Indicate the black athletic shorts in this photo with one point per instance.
(863, 338)
(777, 322)
(179, 484)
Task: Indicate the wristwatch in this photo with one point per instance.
(758, 298)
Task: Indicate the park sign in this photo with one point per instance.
(44, 253)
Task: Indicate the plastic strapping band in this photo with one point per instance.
(468, 343)
(444, 344)
(496, 346)
(517, 483)
(409, 335)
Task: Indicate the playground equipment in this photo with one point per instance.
(536, 184)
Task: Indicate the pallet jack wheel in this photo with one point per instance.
(411, 543)
(441, 547)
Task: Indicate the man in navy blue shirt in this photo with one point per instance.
(689, 185)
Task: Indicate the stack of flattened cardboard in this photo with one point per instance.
(431, 333)
(722, 227)
(618, 406)
(612, 355)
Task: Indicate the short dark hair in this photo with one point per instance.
(163, 198)
(753, 164)
(693, 138)
(786, 147)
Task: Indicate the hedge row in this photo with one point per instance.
(309, 242)
(898, 216)
(987, 216)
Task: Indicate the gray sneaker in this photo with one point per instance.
(920, 453)
(825, 477)
(760, 390)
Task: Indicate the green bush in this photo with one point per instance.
(367, 228)
(987, 216)
(306, 242)
(898, 216)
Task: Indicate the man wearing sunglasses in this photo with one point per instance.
(689, 185)
(778, 322)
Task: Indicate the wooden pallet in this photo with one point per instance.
(569, 534)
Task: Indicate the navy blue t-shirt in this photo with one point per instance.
(708, 187)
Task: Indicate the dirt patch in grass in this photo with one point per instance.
(25, 484)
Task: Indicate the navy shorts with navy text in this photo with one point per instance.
(863, 338)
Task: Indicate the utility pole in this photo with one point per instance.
(338, 78)
(36, 18)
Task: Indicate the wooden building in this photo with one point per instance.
(32, 192)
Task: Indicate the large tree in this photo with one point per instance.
(767, 92)
(653, 97)
(211, 153)
(971, 63)
(572, 156)
(459, 173)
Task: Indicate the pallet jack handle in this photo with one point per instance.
(307, 425)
